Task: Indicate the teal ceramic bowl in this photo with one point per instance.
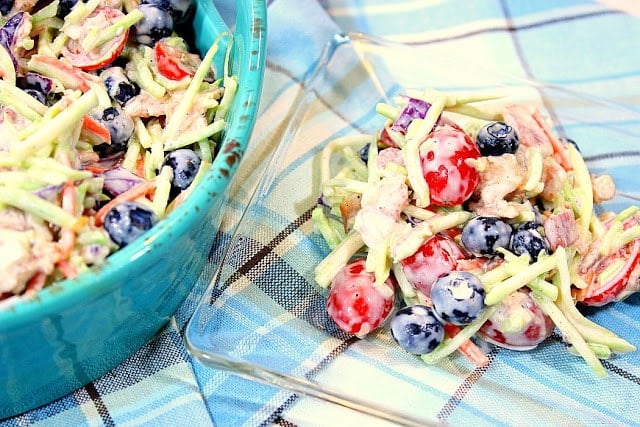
(77, 330)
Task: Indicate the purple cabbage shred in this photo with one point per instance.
(413, 109)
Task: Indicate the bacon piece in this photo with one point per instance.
(349, 208)
(529, 131)
(561, 229)
(502, 177)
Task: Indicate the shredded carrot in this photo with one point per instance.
(469, 349)
(67, 269)
(140, 165)
(95, 169)
(559, 151)
(67, 235)
(138, 190)
(94, 131)
(36, 282)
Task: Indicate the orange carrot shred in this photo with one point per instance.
(138, 190)
(469, 349)
(67, 269)
(67, 235)
(36, 282)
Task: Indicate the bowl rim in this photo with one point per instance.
(217, 180)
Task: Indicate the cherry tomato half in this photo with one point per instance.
(354, 303)
(451, 178)
(106, 53)
(437, 256)
(174, 63)
(518, 324)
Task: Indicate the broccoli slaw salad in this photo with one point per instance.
(108, 121)
(465, 220)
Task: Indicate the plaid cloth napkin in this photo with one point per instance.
(589, 45)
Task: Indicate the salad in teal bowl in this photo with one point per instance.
(123, 125)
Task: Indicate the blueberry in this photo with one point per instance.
(497, 138)
(155, 25)
(179, 10)
(483, 235)
(458, 297)
(6, 6)
(363, 152)
(416, 329)
(127, 221)
(118, 85)
(185, 164)
(64, 7)
(120, 128)
(527, 239)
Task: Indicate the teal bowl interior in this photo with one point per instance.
(75, 331)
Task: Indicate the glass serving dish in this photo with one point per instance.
(264, 318)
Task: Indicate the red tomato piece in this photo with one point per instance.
(450, 177)
(597, 293)
(354, 303)
(173, 63)
(103, 55)
(437, 256)
(518, 324)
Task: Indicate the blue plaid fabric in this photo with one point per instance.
(589, 46)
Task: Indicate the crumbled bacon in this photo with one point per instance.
(502, 176)
(561, 229)
(26, 249)
(603, 188)
(529, 131)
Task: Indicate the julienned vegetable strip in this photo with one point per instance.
(178, 115)
(450, 345)
(96, 38)
(337, 259)
(468, 348)
(35, 205)
(570, 332)
(57, 126)
(498, 292)
(133, 193)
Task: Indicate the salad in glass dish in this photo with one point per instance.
(467, 219)
(108, 120)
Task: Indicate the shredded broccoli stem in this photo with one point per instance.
(188, 99)
(194, 136)
(163, 189)
(583, 193)
(534, 170)
(409, 244)
(338, 144)
(131, 156)
(449, 345)
(321, 222)
(24, 104)
(143, 75)
(29, 202)
(387, 110)
(205, 150)
(406, 288)
(338, 258)
(570, 332)
(6, 65)
(411, 152)
(58, 125)
(97, 37)
(501, 290)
